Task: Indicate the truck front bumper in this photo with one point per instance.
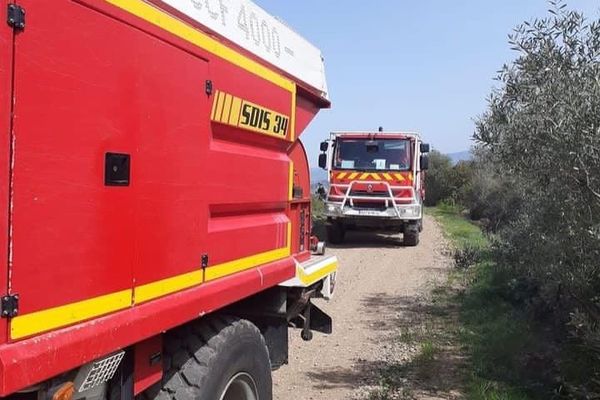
(402, 212)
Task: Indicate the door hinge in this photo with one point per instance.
(204, 261)
(10, 306)
(16, 17)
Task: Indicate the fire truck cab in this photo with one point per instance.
(376, 181)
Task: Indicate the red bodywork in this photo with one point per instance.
(98, 268)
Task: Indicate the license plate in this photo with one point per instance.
(368, 212)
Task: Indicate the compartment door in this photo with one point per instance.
(72, 235)
(88, 84)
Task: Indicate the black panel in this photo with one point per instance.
(116, 169)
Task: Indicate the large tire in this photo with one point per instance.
(411, 235)
(216, 358)
(335, 233)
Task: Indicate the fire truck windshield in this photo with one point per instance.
(367, 155)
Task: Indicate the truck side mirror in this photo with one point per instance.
(424, 163)
(323, 160)
(324, 145)
(424, 147)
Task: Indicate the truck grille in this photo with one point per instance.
(369, 205)
(364, 193)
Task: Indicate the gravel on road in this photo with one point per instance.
(378, 285)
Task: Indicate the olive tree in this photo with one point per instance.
(542, 128)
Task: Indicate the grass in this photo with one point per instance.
(428, 351)
(486, 389)
(496, 339)
(461, 232)
(467, 337)
(493, 334)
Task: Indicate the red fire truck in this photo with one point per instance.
(156, 199)
(376, 181)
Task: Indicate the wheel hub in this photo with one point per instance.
(240, 387)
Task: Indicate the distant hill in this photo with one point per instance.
(460, 156)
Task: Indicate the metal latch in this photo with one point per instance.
(16, 17)
(208, 87)
(10, 306)
(204, 260)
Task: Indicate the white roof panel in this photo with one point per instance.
(252, 28)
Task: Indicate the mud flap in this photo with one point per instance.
(312, 318)
(320, 321)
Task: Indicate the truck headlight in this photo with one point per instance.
(333, 208)
(412, 211)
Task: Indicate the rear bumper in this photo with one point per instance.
(317, 269)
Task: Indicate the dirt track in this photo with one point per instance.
(378, 285)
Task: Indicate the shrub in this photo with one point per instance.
(438, 180)
(491, 195)
(541, 134)
(467, 256)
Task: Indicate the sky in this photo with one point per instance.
(412, 65)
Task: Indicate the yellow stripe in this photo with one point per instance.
(236, 107)
(58, 317)
(342, 175)
(214, 107)
(226, 108)
(376, 176)
(166, 286)
(387, 176)
(232, 267)
(364, 176)
(309, 279)
(291, 181)
(410, 176)
(353, 175)
(219, 107)
(179, 28)
(399, 177)
(46, 320)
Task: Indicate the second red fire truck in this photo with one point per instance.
(376, 181)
